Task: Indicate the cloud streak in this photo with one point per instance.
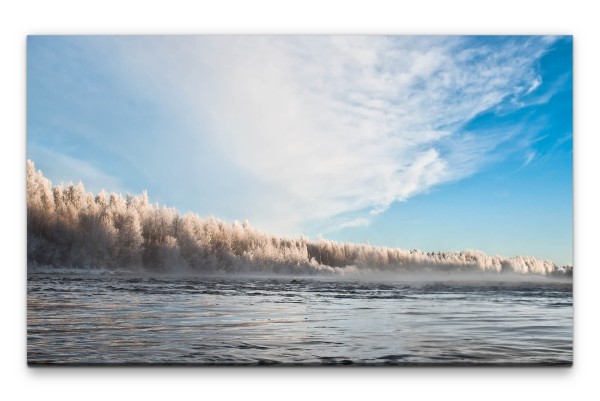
(68, 169)
(338, 127)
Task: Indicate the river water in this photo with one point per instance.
(122, 319)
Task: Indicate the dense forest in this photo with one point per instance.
(68, 227)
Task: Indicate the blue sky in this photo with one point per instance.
(436, 143)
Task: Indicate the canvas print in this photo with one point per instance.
(299, 200)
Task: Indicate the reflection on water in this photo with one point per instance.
(133, 320)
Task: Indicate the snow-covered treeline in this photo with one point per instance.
(69, 227)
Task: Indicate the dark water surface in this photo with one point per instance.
(104, 319)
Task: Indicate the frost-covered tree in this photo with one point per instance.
(69, 227)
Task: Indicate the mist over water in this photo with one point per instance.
(128, 319)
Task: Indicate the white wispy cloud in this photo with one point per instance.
(68, 169)
(529, 157)
(338, 125)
